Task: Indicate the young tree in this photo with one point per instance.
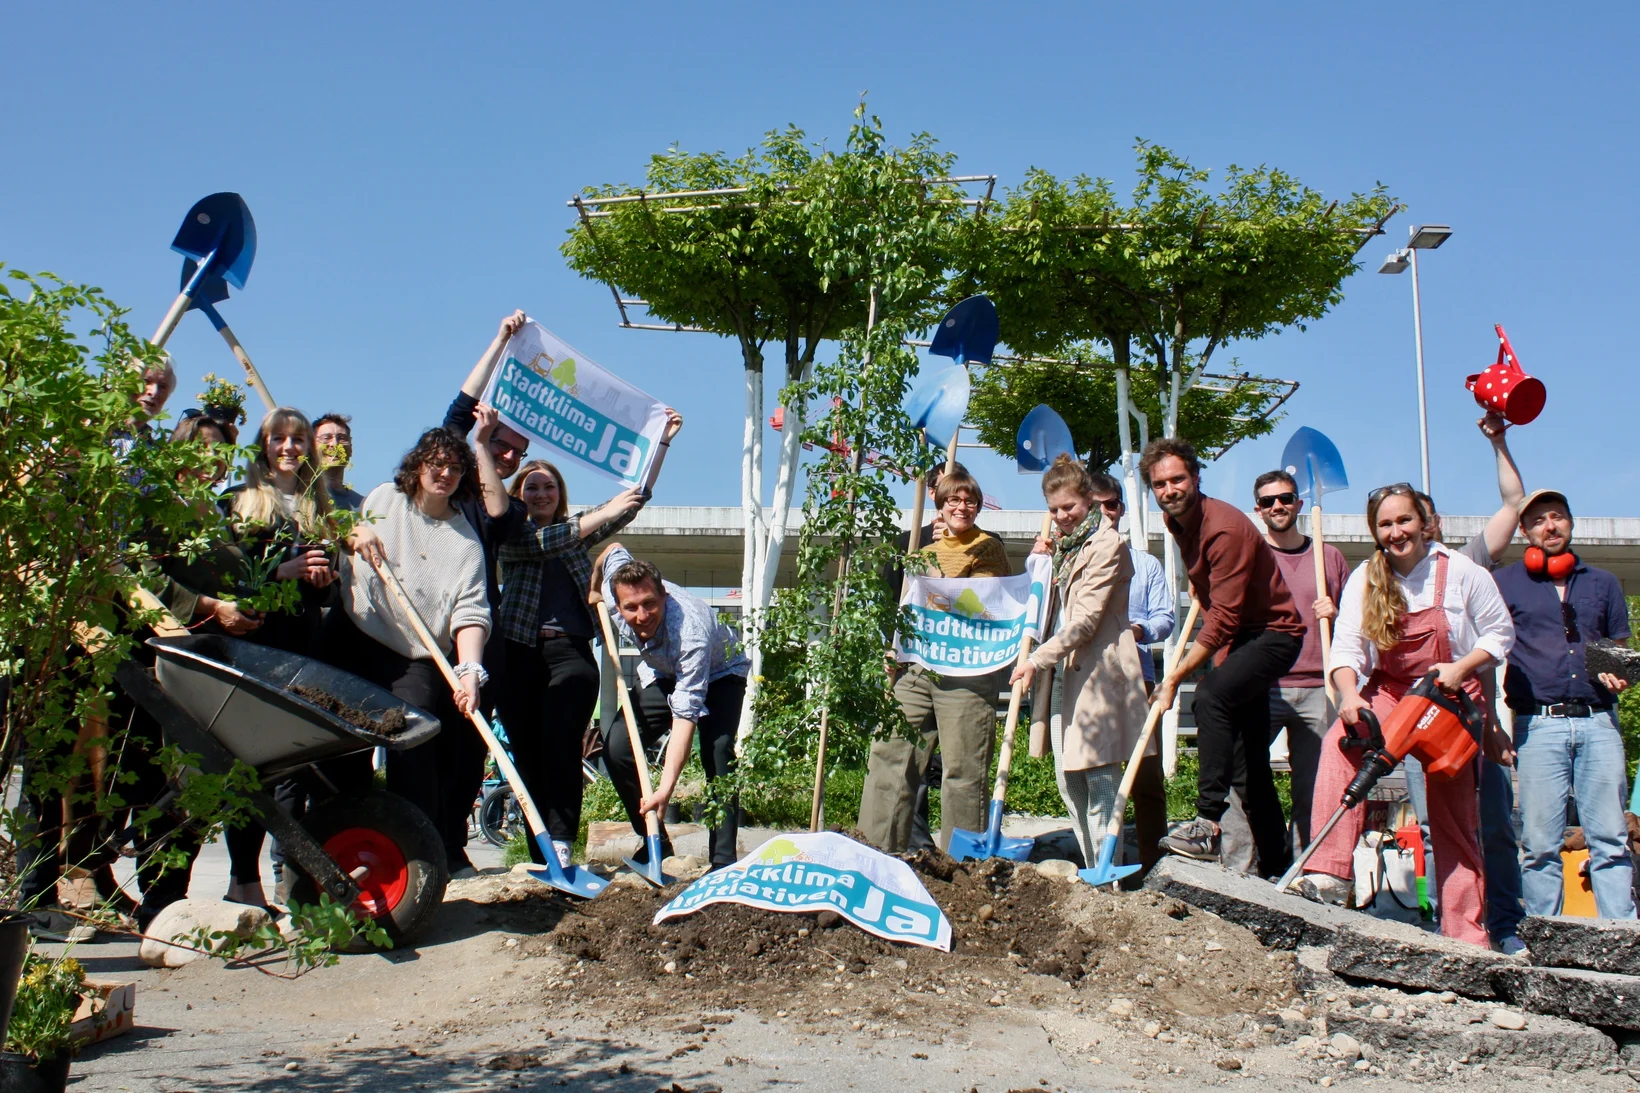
(760, 249)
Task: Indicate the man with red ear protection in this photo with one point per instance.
(1567, 744)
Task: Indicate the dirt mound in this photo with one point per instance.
(1018, 937)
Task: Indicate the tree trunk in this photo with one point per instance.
(749, 500)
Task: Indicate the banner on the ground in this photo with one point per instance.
(806, 873)
(968, 626)
(570, 408)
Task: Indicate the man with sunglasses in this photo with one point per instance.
(1298, 701)
(1566, 737)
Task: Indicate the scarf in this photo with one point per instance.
(1067, 546)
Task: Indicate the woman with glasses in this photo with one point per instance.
(959, 711)
(1103, 683)
(412, 523)
(1413, 608)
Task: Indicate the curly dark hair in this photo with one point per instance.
(438, 444)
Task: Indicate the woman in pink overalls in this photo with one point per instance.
(1413, 607)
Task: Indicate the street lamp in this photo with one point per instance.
(1422, 237)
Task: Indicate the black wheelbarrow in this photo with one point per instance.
(283, 714)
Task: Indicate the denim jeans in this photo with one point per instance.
(1499, 846)
(1560, 756)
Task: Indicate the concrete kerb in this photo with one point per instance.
(1601, 945)
(1595, 998)
(1278, 921)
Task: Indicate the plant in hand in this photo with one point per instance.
(222, 400)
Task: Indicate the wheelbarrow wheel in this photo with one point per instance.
(401, 851)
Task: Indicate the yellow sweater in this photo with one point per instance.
(974, 554)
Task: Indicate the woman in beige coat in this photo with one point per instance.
(1104, 706)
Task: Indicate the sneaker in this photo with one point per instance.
(1511, 946)
(1197, 839)
(1325, 888)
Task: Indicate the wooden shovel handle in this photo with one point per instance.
(634, 738)
(1151, 720)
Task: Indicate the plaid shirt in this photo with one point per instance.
(519, 616)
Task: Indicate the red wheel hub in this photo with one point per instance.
(388, 878)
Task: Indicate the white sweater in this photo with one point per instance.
(440, 563)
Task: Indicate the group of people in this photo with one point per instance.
(1415, 607)
(503, 577)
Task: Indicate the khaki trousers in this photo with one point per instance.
(960, 713)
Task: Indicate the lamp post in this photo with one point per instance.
(1423, 237)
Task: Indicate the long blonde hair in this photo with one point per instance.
(1383, 604)
(258, 502)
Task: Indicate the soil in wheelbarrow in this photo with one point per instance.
(390, 723)
(1019, 939)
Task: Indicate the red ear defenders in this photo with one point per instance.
(1556, 566)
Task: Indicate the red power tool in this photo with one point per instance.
(1442, 731)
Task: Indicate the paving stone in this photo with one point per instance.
(1595, 998)
(1464, 1033)
(1393, 952)
(1598, 945)
(1279, 921)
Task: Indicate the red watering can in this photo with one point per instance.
(1506, 388)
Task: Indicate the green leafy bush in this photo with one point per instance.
(47, 996)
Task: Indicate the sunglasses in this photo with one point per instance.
(1111, 504)
(1403, 488)
(1269, 500)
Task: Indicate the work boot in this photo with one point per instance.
(51, 924)
(1326, 888)
(1197, 839)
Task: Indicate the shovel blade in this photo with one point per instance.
(221, 223)
(1043, 437)
(990, 843)
(566, 878)
(651, 870)
(1105, 870)
(968, 332)
(1315, 464)
(938, 401)
(211, 290)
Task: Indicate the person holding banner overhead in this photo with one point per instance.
(1103, 682)
(547, 700)
(959, 710)
(693, 676)
(1253, 633)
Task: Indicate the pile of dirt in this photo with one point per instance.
(390, 723)
(1018, 937)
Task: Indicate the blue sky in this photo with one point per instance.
(408, 164)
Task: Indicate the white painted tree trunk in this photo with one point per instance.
(750, 502)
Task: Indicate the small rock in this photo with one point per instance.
(1120, 1007)
(985, 913)
(1151, 1029)
(1058, 868)
(513, 1060)
(1362, 1064)
(670, 967)
(1449, 997)
(1347, 1046)
(996, 1000)
(827, 919)
(1213, 947)
(683, 866)
(1227, 1064)
(694, 1028)
(1326, 1081)
(186, 915)
(511, 943)
(900, 963)
(753, 946)
(293, 1066)
(1380, 1013)
(780, 1013)
(1292, 1019)
(1509, 1019)
(803, 932)
(1304, 1043)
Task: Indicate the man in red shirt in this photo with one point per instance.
(1253, 632)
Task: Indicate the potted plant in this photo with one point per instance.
(222, 401)
(39, 1045)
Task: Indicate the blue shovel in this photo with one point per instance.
(212, 291)
(936, 406)
(219, 234)
(1105, 870)
(565, 878)
(1317, 468)
(1043, 436)
(968, 335)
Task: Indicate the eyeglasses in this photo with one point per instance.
(1568, 619)
(961, 502)
(1269, 500)
(501, 447)
(1404, 488)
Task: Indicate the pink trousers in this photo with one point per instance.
(1454, 826)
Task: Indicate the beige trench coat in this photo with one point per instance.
(1105, 702)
